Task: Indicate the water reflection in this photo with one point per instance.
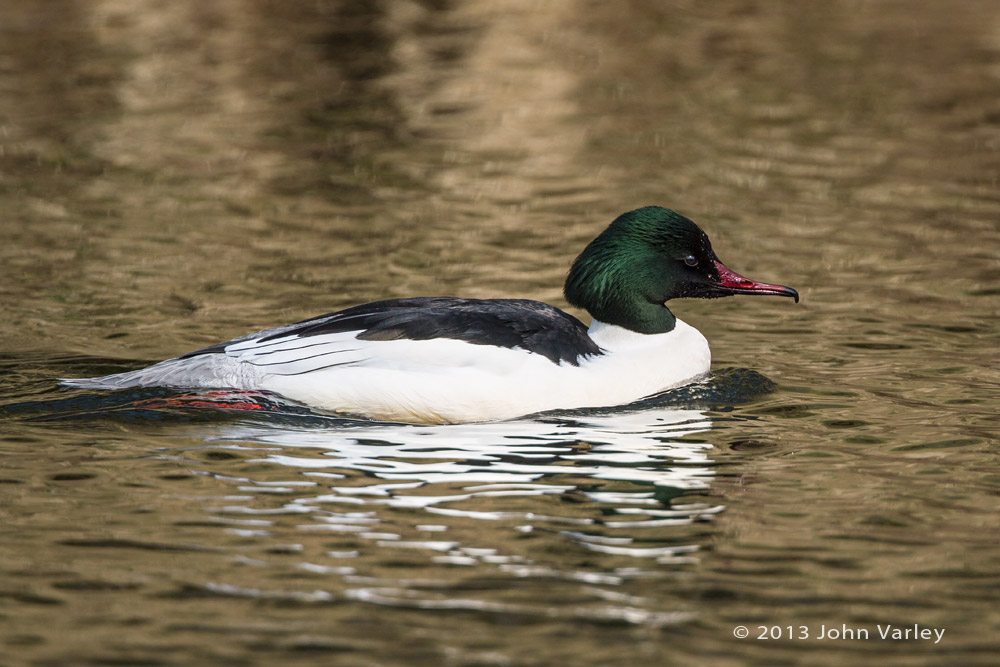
(565, 501)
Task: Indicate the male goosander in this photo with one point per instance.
(449, 360)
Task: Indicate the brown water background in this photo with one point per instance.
(173, 174)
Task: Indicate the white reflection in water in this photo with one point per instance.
(403, 464)
(629, 447)
(620, 471)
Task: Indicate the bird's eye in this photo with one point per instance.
(691, 260)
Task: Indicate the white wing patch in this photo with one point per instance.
(295, 355)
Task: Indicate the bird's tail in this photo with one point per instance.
(203, 371)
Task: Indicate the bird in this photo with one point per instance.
(447, 360)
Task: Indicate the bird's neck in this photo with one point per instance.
(639, 315)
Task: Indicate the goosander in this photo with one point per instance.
(454, 360)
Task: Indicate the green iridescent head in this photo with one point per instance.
(645, 258)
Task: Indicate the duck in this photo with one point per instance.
(461, 360)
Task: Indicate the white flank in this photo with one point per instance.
(435, 381)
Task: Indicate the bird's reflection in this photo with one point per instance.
(628, 466)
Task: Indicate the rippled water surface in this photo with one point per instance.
(176, 174)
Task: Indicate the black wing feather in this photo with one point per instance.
(529, 325)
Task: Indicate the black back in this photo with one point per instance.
(530, 325)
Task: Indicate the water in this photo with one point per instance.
(173, 175)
